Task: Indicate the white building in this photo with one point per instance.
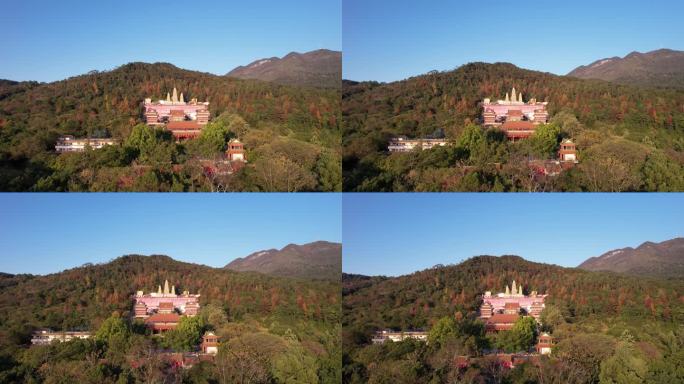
(71, 144)
(404, 144)
(385, 335)
(47, 336)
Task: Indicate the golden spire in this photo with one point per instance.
(507, 99)
(175, 95)
(159, 290)
(166, 287)
(182, 100)
(520, 97)
(168, 97)
(513, 96)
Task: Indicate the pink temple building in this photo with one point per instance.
(165, 301)
(184, 119)
(512, 302)
(518, 119)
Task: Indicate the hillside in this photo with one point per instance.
(416, 300)
(317, 260)
(595, 318)
(272, 323)
(660, 68)
(286, 129)
(353, 282)
(82, 297)
(610, 123)
(320, 68)
(665, 259)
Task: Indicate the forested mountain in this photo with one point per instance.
(665, 259)
(317, 260)
(249, 311)
(291, 134)
(628, 138)
(319, 68)
(660, 68)
(353, 282)
(587, 312)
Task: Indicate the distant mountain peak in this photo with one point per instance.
(664, 259)
(319, 68)
(319, 259)
(662, 67)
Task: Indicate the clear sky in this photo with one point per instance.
(396, 234)
(387, 40)
(45, 233)
(49, 40)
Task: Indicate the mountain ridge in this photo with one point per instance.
(658, 68)
(319, 68)
(318, 260)
(664, 260)
(91, 292)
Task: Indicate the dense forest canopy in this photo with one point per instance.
(291, 133)
(629, 138)
(581, 306)
(269, 322)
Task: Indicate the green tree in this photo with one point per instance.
(626, 366)
(113, 328)
(551, 317)
(213, 315)
(329, 171)
(187, 335)
(214, 137)
(146, 142)
(545, 140)
(662, 174)
(522, 336)
(295, 366)
(473, 142)
(443, 329)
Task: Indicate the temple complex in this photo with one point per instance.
(502, 309)
(161, 310)
(184, 119)
(518, 119)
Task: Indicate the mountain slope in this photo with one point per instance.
(662, 68)
(82, 297)
(279, 118)
(606, 120)
(317, 260)
(320, 68)
(665, 259)
(419, 299)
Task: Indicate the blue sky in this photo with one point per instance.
(44, 233)
(387, 40)
(396, 234)
(49, 40)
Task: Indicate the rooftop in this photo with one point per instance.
(503, 318)
(163, 318)
(517, 125)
